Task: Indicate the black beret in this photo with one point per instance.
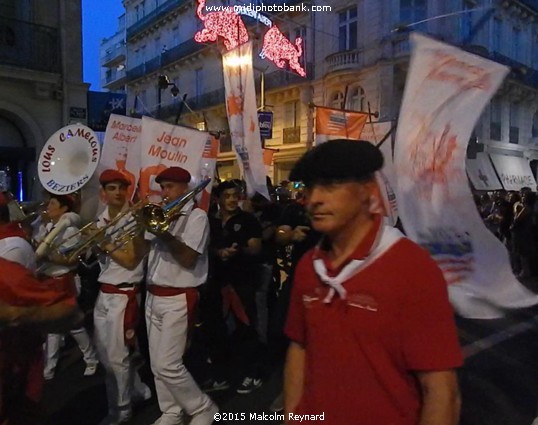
(225, 185)
(338, 160)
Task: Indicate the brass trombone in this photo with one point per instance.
(150, 217)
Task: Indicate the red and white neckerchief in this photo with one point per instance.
(385, 238)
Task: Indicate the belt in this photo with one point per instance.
(122, 285)
(168, 291)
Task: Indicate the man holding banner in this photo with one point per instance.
(373, 339)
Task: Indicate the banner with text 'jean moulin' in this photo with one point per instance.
(445, 93)
(166, 145)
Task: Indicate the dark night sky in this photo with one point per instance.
(99, 20)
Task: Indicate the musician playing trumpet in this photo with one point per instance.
(116, 309)
(61, 272)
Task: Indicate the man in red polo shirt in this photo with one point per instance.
(373, 339)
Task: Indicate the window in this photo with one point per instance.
(412, 11)
(497, 35)
(467, 23)
(495, 120)
(514, 123)
(301, 32)
(199, 82)
(347, 29)
(337, 100)
(175, 36)
(516, 44)
(143, 54)
(357, 100)
(291, 118)
(7, 8)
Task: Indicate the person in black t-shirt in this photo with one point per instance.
(235, 256)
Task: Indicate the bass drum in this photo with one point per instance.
(69, 159)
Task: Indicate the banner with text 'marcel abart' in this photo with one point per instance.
(121, 149)
(445, 93)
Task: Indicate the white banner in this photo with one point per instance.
(514, 172)
(166, 145)
(243, 117)
(379, 134)
(121, 149)
(445, 93)
(481, 173)
(207, 170)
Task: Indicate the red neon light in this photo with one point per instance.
(278, 48)
(226, 24)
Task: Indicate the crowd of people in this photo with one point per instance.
(513, 217)
(216, 276)
(222, 271)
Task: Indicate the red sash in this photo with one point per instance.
(231, 301)
(131, 315)
(190, 293)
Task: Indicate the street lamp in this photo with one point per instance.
(162, 84)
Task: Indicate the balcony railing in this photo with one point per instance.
(153, 17)
(30, 46)
(143, 69)
(344, 60)
(115, 54)
(180, 51)
(282, 78)
(206, 100)
(114, 77)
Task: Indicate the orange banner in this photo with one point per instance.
(338, 124)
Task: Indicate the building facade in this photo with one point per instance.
(40, 81)
(356, 56)
(113, 58)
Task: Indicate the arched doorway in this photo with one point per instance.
(15, 159)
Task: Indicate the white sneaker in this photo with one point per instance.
(141, 394)
(48, 375)
(91, 368)
(248, 385)
(169, 421)
(206, 416)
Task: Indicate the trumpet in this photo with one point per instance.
(150, 217)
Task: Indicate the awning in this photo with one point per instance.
(514, 172)
(481, 173)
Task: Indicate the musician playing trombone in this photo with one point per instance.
(116, 309)
(177, 265)
(61, 272)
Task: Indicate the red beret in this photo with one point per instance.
(174, 174)
(109, 176)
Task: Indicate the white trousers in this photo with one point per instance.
(52, 348)
(167, 324)
(121, 378)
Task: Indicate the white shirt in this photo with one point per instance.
(191, 229)
(65, 240)
(112, 272)
(18, 250)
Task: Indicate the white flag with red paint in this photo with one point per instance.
(445, 93)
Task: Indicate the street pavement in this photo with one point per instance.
(499, 381)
